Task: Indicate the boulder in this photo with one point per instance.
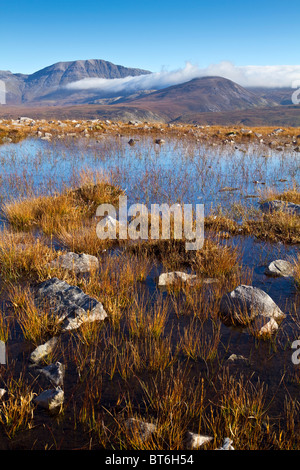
(78, 263)
(69, 303)
(245, 303)
(280, 268)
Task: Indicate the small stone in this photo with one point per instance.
(55, 373)
(194, 441)
(2, 392)
(226, 444)
(142, 428)
(237, 358)
(166, 279)
(43, 350)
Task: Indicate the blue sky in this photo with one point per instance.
(154, 35)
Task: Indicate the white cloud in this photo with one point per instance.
(270, 76)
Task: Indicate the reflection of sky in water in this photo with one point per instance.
(178, 171)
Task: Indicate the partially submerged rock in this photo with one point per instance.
(50, 399)
(277, 205)
(175, 277)
(235, 358)
(55, 373)
(78, 263)
(264, 327)
(245, 303)
(69, 303)
(280, 268)
(43, 350)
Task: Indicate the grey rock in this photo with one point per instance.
(78, 263)
(50, 399)
(276, 205)
(245, 303)
(280, 268)
(69, 303)
(234, 358)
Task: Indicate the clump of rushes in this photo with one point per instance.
(61, 211)
(37, 326)
(16, 411)
(22, 256)
(216, 260)
(277, 226)
(297, 270)
(290, 195)
(241, 412)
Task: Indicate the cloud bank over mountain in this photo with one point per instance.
(273, 76)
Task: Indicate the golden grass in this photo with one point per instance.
(37, 325)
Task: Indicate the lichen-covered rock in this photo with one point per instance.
(245, 303)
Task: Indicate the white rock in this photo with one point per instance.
(280, 268)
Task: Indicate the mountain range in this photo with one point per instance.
(47, 92)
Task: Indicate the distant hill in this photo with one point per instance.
(205, 94)
(35, 87)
